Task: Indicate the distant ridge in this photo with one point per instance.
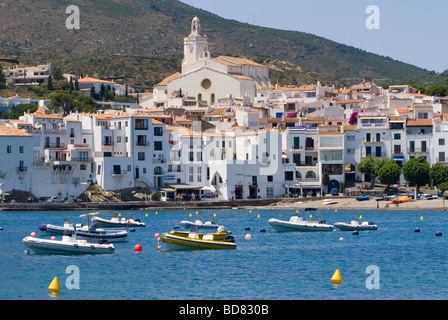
(34, 32)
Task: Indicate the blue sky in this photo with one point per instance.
(411, 31)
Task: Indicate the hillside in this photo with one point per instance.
(125, 38)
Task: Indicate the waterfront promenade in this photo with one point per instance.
(285, 203)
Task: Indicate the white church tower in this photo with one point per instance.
(196, 52)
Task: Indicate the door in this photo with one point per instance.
(368, 151)
(137, 173)
(378, 152)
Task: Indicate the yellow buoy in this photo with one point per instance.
(157, 212)
(336, 278)
(250, 211)
(119, 214)
(190, 214)
(146, 215)
(421, 218)
(360, 217)
(54, 285)
(336, 210)
(196, 212)
(214, 215)
(258, 216)
(311, 216)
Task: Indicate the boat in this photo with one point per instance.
(219, 235)
(431, 197)
(193, 241)
(116, 221)
(198, 223)
(354, 225)
(86, 232)
(67, 246)
(402, 199)
(327, 203)
(363, 198)
(391, 197)
(378, 198)
(296, 223)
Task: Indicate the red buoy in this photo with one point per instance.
(138, 248)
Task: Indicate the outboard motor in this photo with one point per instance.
(229, 238)
(43, 227)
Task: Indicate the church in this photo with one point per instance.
(209, 79)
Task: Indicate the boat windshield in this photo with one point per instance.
(194, 234)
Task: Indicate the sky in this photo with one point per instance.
(411, 31)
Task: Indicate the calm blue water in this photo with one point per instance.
(270, 266)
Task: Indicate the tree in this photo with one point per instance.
(76, 84)
(438, 174)
(367, 167)
(50, 83)
(326, 179)
(71, 85)
(443, 187)
(437, 90)
(416, 171)
(57, 73)
(2, 79)
(389, 173)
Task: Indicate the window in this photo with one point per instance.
(141, 156)
(296, 158)
(441, 142)
(310, 175)
(296, 143)
(206, 84)
(116, 169)
(158, 146)
(269, 192)
(270, 178)
(82, 167)
(118, 139)
(350, 138)
(397, 136)
(21, 149)
(441, 156)
(141, 141)
(397, 149)
(99, 169)
(158, 131)
(129, 167)
(47, 142)
(141, 124)
(289, 175)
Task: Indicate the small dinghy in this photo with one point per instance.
(198, 223)
(296, 223)
(89, 233)
(117, 222)
(219, 235)
(354, 225)
(363, 198)
(69, 245)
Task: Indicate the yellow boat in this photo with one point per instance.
(401, 200)
(216, 235)
(193, 241)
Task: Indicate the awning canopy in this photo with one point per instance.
(184, 187)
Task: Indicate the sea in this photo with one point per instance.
(392, 263)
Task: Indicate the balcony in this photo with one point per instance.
(55, 145)
(418, 150)
(142, 144)
(118, 173)
(22, 169)
(373, 140)
(374, 155)
(82, 159)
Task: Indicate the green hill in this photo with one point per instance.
(141, 41)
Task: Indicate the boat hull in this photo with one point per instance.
(216, 235)
(342, 226)
(42, 246)
(92, 236)
(117, 223)
(184, 243)
(188, 224)
(285, 226)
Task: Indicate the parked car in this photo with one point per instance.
(55, 199)
(334, 192)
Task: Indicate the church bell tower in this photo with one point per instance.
(195, 48)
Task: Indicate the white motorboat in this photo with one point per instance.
(117, 222)
(198, 223)
(296, 223)
(67, 246)
(89, 233)
(354, 225)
